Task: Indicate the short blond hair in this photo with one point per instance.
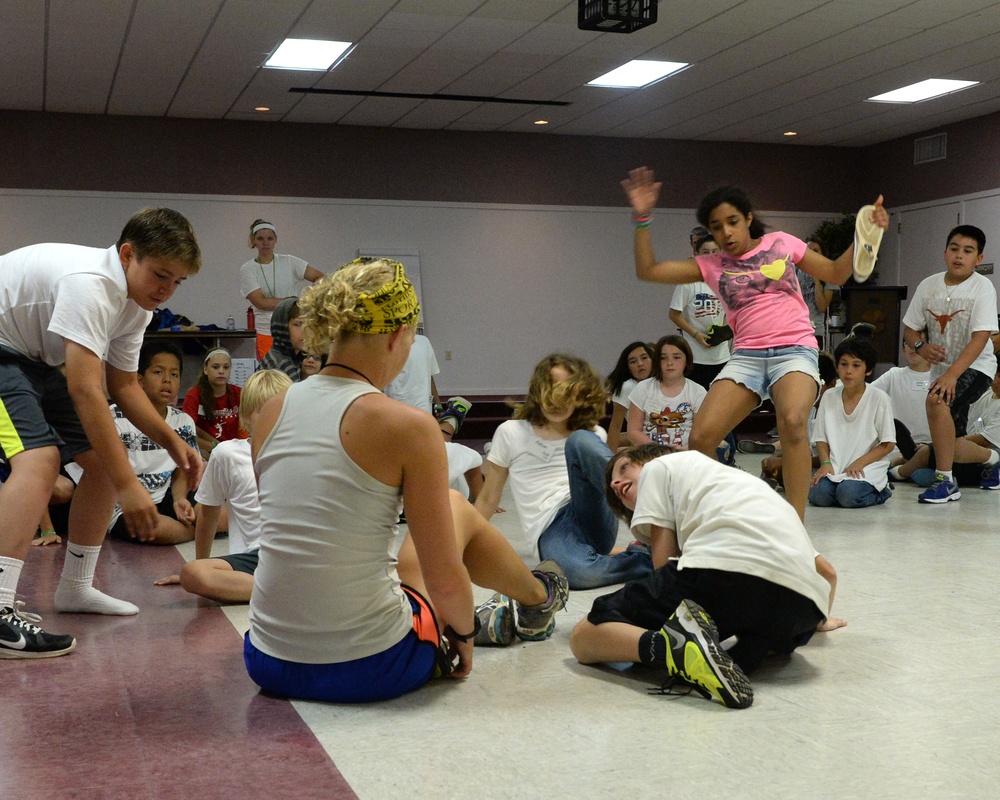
(259, 388)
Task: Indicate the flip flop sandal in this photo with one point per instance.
(867, 238)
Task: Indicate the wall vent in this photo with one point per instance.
(930, 148)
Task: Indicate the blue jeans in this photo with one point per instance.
(584, 531)
(848, 493)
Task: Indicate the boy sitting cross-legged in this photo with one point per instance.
(229, 479)
(167, 484)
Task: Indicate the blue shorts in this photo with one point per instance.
(405, 666)
(759, 370)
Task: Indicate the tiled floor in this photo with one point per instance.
(900, 703)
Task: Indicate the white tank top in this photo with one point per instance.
(326, 589)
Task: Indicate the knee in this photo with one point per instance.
(586, 444)
(579, 640)
(702, 440)
(851, 497)
(62, 491)
(820, 495)
(194, 576)
(793, 425)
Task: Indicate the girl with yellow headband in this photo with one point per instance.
(347, 606)
(269, 278)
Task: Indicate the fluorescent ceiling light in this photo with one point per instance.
(314, 54)
(925, 90)
(635, 74)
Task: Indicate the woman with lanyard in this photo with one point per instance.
(269, 278)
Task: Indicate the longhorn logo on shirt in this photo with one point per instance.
(944, 319)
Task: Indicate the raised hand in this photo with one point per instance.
(643, 190)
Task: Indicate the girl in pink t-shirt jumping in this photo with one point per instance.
(774, 351)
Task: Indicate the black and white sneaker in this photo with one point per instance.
(21, 638)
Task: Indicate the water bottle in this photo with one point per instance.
(230, 323)
(250, 322)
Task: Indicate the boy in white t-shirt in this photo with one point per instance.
(415, 386)
(729, 561)
(229, 480)
(957, 309)
(907, 388)
(854, 434)
(83, 309)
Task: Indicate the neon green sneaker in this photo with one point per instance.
(695, 656)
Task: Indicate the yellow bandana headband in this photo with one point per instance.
(388, 309)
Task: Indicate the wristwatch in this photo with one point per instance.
(918, 344)
(450, 632)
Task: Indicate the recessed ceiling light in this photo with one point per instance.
(541, 122)
(262, 108)
(636, 74)
(790, 133)
(314, 54)
(925, 90)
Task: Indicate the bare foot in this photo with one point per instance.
(831, 624)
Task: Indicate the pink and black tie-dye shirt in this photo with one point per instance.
(763, 301)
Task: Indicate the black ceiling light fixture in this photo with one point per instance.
(615, 16)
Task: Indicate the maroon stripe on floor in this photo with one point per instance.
(152, 706)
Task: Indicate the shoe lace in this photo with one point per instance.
(558, 591)
(676, 686)
(16, 615)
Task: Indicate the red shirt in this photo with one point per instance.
(225, 424)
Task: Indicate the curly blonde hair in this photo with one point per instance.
(330, 305)
(583, 391)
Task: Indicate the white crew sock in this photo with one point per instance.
(76, 593)
(10, 571)
(993, 458)
(894, 474)
(947, 475)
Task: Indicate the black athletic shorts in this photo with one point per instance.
(764, 616)
(36, 409)
(165, 507)
(242, 562)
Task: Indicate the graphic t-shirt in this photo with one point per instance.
(761, 293)
(150, 462)
(667, 420)
(951, 314)
(702, 309)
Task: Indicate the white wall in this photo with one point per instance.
(503, 285)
